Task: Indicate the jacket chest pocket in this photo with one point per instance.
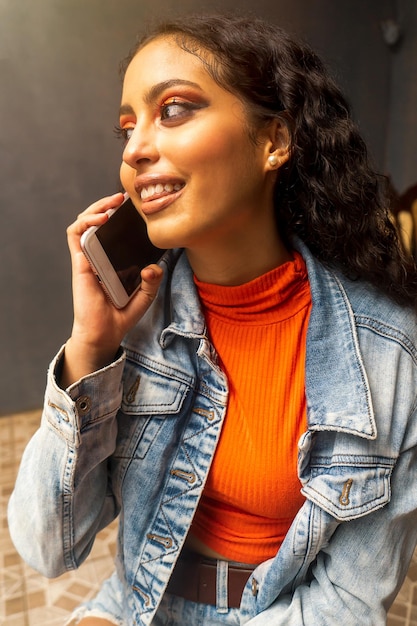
(153, 389)
(349, 487)
(152, 397)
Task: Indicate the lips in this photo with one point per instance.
(157, 192)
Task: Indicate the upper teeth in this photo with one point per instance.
(151, 190)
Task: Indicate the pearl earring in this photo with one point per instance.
(273, 160)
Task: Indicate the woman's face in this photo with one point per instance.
(189, 164)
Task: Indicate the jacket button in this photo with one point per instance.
(344, 498)
(83, 404)
(254, 586)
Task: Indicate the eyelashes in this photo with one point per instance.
(175, 109)
(122, 133)
(172, 112)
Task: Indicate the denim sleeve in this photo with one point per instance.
(62, 495)
(355, 578)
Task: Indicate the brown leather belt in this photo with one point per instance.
(194, 578)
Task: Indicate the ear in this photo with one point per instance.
(277, 146)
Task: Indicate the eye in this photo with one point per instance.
(175, 110)
(123, 133)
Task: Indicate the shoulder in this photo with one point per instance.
(366, 304)
(375, 310)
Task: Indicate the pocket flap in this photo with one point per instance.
(352, 489)
(151, 389)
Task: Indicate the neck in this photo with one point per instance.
(240, 261)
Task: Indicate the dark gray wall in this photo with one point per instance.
(401, 144)
(58, 102)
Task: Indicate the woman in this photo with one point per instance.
(255, 433)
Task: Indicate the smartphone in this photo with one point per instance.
(118, 251)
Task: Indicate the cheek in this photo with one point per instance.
(228, 159)
(209, 147)
(126, 176)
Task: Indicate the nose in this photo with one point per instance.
(140, 147)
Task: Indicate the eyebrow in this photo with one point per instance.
(155, 91)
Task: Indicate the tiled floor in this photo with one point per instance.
(28, 599)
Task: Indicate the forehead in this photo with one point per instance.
(162, 59)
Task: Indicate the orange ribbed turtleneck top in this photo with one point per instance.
(252, 492)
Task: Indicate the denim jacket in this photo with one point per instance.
(136, 439)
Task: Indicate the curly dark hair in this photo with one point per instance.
(327, 194)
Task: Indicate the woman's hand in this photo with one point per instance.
(99, 326)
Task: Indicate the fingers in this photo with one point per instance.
(85, 286)
(95, 215)
(103, 205)
(98, 326)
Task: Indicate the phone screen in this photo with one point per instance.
(125, 241)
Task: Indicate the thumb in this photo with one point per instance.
(151, 279)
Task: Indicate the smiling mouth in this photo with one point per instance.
(151, 192)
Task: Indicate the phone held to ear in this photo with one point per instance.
(118, 251)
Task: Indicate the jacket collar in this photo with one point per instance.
(337, 389)
(183, 313)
